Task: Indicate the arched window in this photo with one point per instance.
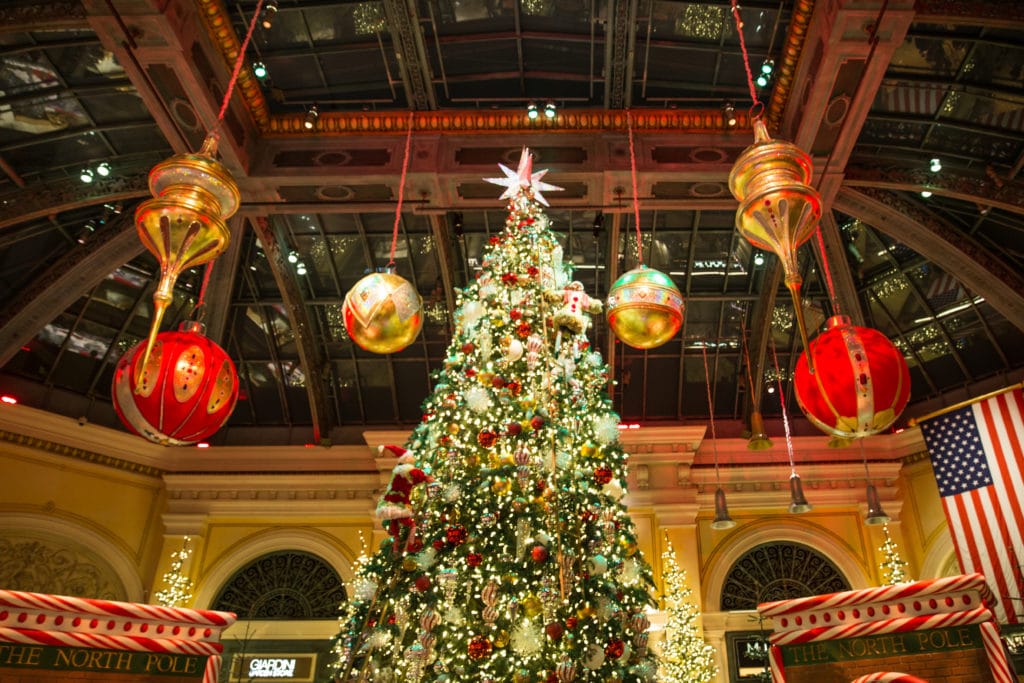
(779, 571)
(283, 585)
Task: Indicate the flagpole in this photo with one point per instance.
(914, 421)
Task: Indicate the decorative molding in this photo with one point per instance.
(510, 120)
(982, 13)
(218, 24)
(623, 39)
(79, 454)
(29, 563)
(57, 14)
(410, 52)
(43, 199)
(791, 52)
(283, 585)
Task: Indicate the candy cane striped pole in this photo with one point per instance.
(996, 654)
(889, 677)
(775, 660)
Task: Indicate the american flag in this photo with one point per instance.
(977, 453)
(943, 291)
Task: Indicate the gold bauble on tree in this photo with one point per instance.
(383, 313)
(183, 225)
(778, 209)
(645, 308)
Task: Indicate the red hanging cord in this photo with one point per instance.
(239, 61)
(401, 189)
(711, 412)
(785, 415)
(201, 301)
(636, 195)
(746, 57)
(828, 271)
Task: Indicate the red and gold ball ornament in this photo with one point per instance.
(539, 554)
(383, 313)
(860, 383)
(602, 475)
(614, 649)
(479, 647)
(474, 559)
(182, 393)
(645, 308)
(456, 535)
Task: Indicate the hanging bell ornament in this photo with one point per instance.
(183, 225)
(645, 308)
(759, 440)
(860, 385)
(778, 209)
(383, 312)
(183, 391)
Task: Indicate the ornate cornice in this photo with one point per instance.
(218, 25)
(79, 454)
(502, 121)
(48, 15)
(791, 51)
(984, 12)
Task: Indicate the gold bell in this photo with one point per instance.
(876, 515)
(722, 519)
(797, 500)
(758, 440)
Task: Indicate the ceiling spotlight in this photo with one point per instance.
(730, 114)
(312, 114)
(103, 169)
(758, 259)
(457, 224)
(293, 257)
(926, 193)
(549, 110)
(86, 176)
(767, 66)
(762, 80)
(300, 268)
(269, 12)
(531, 111)
(259, 69)
(935, 166)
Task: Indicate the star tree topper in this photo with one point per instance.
(523, 178)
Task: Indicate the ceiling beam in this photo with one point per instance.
(60, 285)
(990, 190)
(411, 51)
(972, 264)
(619, 54)
(57, 196)
(988, 13)
(838, 269)
(49, 15)
(220, 288)
(303, 327)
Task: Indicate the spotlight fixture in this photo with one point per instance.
(598, 223)
(730, 114)
(457, 224)
(300, 269)
(926, 193)
(103, 169)
(269, 12)
(259, 70)
(762, 80)
(549, 110)
(767, 66)
(935, 166)
(312, 114)
(531, 111)
(293, 257)
(86, 176)
(758, 259)
(87, 230)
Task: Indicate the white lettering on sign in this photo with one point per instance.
(272, 668)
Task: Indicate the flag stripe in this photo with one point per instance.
(978, 458)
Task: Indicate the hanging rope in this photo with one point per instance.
(401, 190)
(711, 413)
(238, 62)
(785, 415)
(828, 271)
(636, 195)
(199, 312)
(757, 106)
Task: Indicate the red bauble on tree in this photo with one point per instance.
(860, 383)
(185, 392)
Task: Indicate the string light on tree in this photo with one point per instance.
(685, 657)
(177, 590)
(894, 567)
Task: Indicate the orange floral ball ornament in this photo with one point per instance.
(860, 384)
(185, 392)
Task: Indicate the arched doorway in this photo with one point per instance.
(286, 585)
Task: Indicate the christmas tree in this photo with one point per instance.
(685, 657)
(894, 568)
(177, 590)
(511, 556)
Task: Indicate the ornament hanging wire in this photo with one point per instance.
(636, 196)
(799, 503)
(401, 189)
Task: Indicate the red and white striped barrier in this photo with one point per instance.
(889, 677)
(64, 621)
(873, 628)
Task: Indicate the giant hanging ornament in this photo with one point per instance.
(183, 391)
(645, 308)
(183, 225)
(778, 208)
(860, 383)
(383, 313)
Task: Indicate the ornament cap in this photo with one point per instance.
(760, 131)
(838, 321)
(193, 327)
